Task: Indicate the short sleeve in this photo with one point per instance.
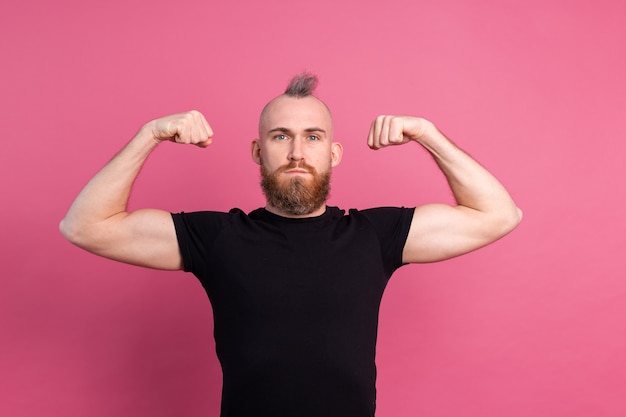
(196, 233)
(392, 226)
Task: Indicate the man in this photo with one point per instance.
(296, 286)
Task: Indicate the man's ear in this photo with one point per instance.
(255, 150)
(336, 152)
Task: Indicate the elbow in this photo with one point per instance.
(72, 232)
(68, 232)
(516, 218)
(511, 220)
(520, 215)
(500, 223)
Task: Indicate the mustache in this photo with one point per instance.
(297, 165)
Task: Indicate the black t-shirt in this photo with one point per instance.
(295, 304)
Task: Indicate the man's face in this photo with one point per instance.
(296, 152)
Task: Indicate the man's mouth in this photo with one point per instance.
(294, 168)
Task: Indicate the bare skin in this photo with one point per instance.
(291, 129)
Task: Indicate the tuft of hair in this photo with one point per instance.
(302, 85)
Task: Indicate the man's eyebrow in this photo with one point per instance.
(286, 130)
(279, 129)
(315, 129)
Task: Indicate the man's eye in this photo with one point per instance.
(280, 137)
(313, 137)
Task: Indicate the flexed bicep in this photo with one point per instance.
(440, 231)
(144, 237)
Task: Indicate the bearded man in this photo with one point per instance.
(295, 286)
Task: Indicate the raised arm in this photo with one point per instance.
(98, 220)
(484, 212)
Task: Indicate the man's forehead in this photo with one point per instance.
(303, 113)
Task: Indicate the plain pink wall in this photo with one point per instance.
(534, 325)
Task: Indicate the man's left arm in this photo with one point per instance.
(484, 212)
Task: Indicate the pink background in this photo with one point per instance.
(534, 325)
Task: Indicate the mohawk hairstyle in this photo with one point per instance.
(302, 85)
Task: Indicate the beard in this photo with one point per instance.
(297, 195)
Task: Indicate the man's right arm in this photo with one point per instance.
(98, 220)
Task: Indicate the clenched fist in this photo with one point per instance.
(190, 128)
(396, 130)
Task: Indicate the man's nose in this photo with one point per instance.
(296, 151)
